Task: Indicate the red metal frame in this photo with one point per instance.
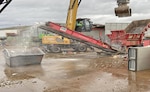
(78, 35)
(128, 39)
(118, 36)
(146, 42)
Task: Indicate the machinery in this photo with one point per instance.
(83, 39)
(57, 43)
(120, 40)
(71, 18)
(123, 9)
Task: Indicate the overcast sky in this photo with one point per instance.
(26, 12)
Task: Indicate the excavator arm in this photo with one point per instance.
(72, 18)
(72, 14)
(4, 4)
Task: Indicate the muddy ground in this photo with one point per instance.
(74, 72)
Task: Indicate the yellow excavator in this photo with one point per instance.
(56, 43)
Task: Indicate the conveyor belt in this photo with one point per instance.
(55, 28)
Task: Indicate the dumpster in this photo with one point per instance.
(23, 57)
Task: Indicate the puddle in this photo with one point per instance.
(24, 72)
(74, 74)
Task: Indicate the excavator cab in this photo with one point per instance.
(123, 10)
(85, 25)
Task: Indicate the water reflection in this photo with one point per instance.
(139, 81)
(24, 72)
(74, 69)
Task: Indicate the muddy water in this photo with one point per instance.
(81, 72)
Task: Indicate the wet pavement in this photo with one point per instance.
(74, 72)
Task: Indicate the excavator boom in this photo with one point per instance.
(72, 13)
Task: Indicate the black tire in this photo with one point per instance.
(55, 49)
(82, 48)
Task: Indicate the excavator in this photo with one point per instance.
(57, 43)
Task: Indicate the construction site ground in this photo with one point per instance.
(74, 72)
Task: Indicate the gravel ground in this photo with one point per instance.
(74, 72)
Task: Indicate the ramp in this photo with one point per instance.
(63, 31)
(138, 26)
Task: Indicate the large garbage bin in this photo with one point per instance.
(21, 57)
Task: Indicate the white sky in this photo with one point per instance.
(26, 12)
